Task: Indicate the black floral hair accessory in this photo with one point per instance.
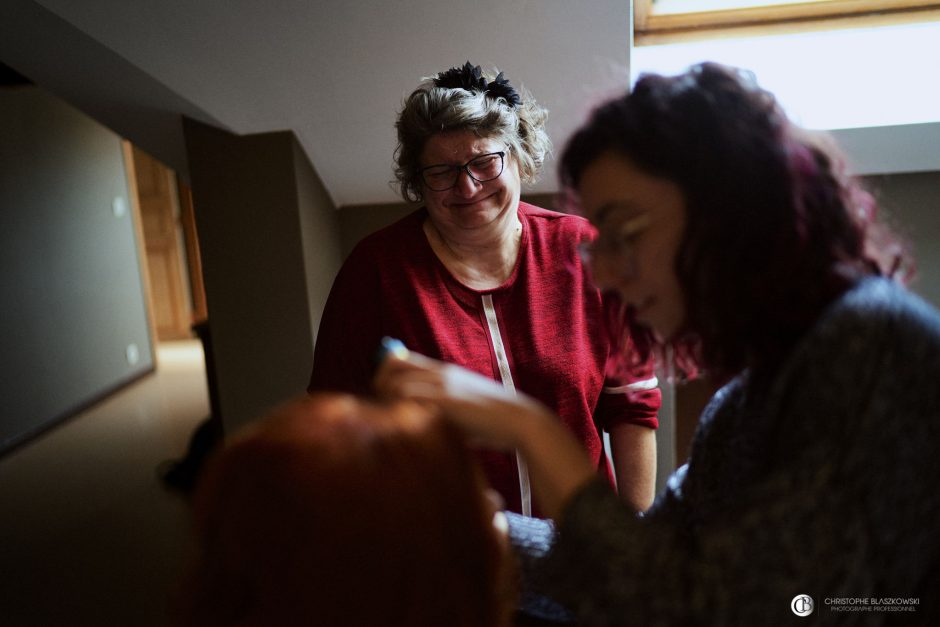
(470, 77)
(500, 88)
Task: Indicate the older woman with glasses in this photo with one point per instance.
(475, 277)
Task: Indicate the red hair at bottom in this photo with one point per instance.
(336, 511)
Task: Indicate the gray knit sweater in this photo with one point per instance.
(826, 484)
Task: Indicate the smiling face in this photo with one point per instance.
(640, 221)
(470, 204)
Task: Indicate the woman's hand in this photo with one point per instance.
(496, 418)
(483, 408)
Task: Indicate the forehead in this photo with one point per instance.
(457, 147)
(613, 187)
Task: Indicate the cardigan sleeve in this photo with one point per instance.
(630, 393)
(635, 399)
(531, 539)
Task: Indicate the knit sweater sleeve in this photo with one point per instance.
(838, 499)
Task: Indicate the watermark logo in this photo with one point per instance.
(802, 605)
(872, 604)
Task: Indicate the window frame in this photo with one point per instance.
(650, 28)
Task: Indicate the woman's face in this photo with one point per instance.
(470, 204)
(640, 220)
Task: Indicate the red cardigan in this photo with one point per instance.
(540, 332)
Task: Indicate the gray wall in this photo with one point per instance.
(320, 236)
(911, 204)
(72, 295)
(264, 223)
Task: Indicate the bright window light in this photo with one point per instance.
(841, 79)
(670, 7)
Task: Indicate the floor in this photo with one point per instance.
(88, 534)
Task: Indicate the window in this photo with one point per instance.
(660, 21)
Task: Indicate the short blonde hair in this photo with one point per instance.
(431, 110)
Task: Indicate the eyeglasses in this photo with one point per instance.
(482, 168)
(617, 243)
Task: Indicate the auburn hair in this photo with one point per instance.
(337, 511)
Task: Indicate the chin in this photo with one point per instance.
(472, 209)
(662, 332)
(670, 332)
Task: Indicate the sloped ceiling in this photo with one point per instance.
(332, 72)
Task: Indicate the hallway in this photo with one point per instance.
(89, 534)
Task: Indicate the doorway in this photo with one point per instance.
(171, 248)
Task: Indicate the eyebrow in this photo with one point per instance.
(634, 224)
(457, 165)
(600, 216)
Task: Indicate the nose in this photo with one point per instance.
(466, 185)
(612, 271)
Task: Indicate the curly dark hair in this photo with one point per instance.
(775, 229)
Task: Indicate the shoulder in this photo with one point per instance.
(547, 223)
(404, 228)
(874, 323)
(389, 241)
(874, 352)
(879, 310)
(390, 246)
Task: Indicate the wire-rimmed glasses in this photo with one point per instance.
(481, 168)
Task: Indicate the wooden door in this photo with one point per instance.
(160, 221)
(194, 260)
